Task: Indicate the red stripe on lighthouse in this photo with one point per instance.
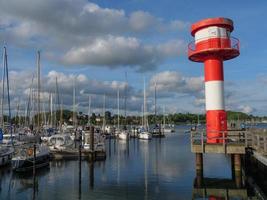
(213, 69)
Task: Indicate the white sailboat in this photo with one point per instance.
(167, 128)
(144, 134)
(122, 134)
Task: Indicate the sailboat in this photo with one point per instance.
(156, 130)
(6, 151)
(32, 156)
(122, 134)
(167, 128)
(106, 129)
(144, 134)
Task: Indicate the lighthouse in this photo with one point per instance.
(213, 44)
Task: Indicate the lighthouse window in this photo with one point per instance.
(228, 33)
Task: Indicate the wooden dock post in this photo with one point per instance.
(34, 171)
(232, 166)
(199, 169)
(265, 144)
(237, 170)
(34, 160)
(92, 177)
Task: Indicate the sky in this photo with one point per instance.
(110, 45)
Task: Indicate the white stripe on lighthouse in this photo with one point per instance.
(211, 32)
(214, 94)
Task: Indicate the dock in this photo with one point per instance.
(236, 144)
(72, 154)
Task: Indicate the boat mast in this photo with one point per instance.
(17, 114)
(104, 113)
(89, 110)
(44, 114)
(51, 110)
(155, 101)
(125, 99)
(28, 107)
(61, 115)
(38, 92)
(118, 104)
(164, 117)
(25, 113)
(74, 102)
(8, 96)
(3, 88)
(57, 103)
(142, 111)
(145, 120)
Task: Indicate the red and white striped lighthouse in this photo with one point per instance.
(212, 46)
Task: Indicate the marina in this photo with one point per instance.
(156, 169)
(132, 100)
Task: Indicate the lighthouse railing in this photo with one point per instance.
(209, 44)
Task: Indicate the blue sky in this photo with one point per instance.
(98, 41)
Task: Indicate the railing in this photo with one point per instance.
(259, 140)
(227, 137)
(234, 44)
(253, 138)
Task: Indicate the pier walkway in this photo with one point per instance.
(235, 142)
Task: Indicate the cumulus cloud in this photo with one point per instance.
(83, 33)
(173, 81)
(120, 51)
(246, 109)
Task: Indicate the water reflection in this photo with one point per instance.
(213, 188)
(24, 183)
(92, 175)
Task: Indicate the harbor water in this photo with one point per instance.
(163, 168)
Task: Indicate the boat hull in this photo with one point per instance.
(5, 158)
(145, 136)
(123, 136)
(23, 165)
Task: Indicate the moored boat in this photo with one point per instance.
(123, 135)
(24, 159)
(145, 135)
(60, 142)
(5, 155)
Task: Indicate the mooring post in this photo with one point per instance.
(80, 173)
(237, 170)
(232, 166)
(34, 170)
(34, 159)
(80, 165)
(199, 169)
(80, 150)
(92, 137)
(92, 177)
(265, 144)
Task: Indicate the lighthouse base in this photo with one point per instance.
(216, 126)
